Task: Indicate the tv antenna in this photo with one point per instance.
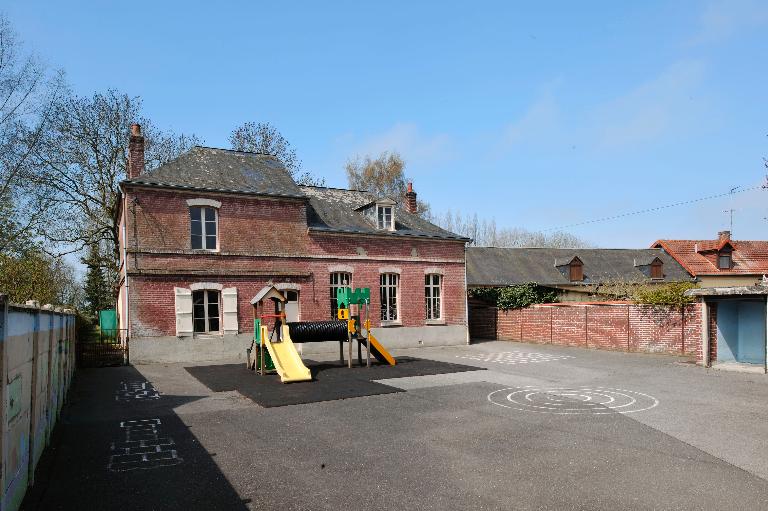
(731, 210)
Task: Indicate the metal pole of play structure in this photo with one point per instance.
(349, 338)
(367, 336)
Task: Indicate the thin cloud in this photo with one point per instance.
(420, 151)
(663, 106)
(723, 19)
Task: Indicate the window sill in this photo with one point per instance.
(203, 335)
(434, 322)
(391, 323)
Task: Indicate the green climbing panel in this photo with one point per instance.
(346, 296)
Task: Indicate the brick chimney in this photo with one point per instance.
(135, 152)
(724, 236)
(410, 200)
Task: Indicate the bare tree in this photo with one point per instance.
(82, 160)
(27, 92)
(264, 138)
(383, 176)
(485, 233)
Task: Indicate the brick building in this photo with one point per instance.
(202, 234)
(720, 262)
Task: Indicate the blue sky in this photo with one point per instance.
(537, 116)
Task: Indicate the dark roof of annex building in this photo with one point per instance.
(331, 210)
(491, 266)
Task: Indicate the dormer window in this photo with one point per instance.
(724, 259)
(657, 269)
(576, 270)
(385, 217)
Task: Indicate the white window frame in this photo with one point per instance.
(382, 223)
(207, 318)
(335, 282)
(436, 301)
(203, 223)
(385, 296)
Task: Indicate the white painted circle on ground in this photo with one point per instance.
(573, 401)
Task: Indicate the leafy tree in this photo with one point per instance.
(515, 297)
(83, 158)
(97, 290)
(34, 275)
(383, 176)
(671, 294)
(264, 138)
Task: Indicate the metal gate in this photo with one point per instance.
(111, 349)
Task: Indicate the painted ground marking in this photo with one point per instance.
(573, 401)
(514, 357)
(130, 390)
(143, 447)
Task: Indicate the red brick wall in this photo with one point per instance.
(624, 327)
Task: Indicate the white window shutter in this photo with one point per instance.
(183, 312)
(229, 308)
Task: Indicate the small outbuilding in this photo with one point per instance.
(734, 325)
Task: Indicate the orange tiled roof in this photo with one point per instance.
(700, 256)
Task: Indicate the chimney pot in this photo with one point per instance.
(411, 206)
(135, 152)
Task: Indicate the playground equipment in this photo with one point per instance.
(276, 351)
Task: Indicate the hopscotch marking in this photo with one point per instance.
(573, 401)
(514, 357)
(142, 448)
(130, 390)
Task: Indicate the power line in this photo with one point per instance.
(657, 208)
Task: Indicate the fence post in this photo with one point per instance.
(3, 378)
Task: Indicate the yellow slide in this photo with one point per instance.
(378, 351)
(286, 359)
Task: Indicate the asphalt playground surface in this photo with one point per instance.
(537, 427)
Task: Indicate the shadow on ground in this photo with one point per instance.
(119, 445)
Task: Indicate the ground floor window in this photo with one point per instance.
(338, 279)
(205, 311)
(432, 296)
(388, 284)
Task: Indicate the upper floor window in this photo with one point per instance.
(657, 269)
(432, 296)
(385, 217)
(204, 227)
(338, 279)
(724, 260)
(205, 311)
(388, 290)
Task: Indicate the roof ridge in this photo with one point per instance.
(197, 146)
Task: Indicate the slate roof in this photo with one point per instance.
(335, 210)
(699, 257)
(329, 209)
(489, 266)
(223, 170)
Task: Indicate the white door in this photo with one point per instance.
(291, 305)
